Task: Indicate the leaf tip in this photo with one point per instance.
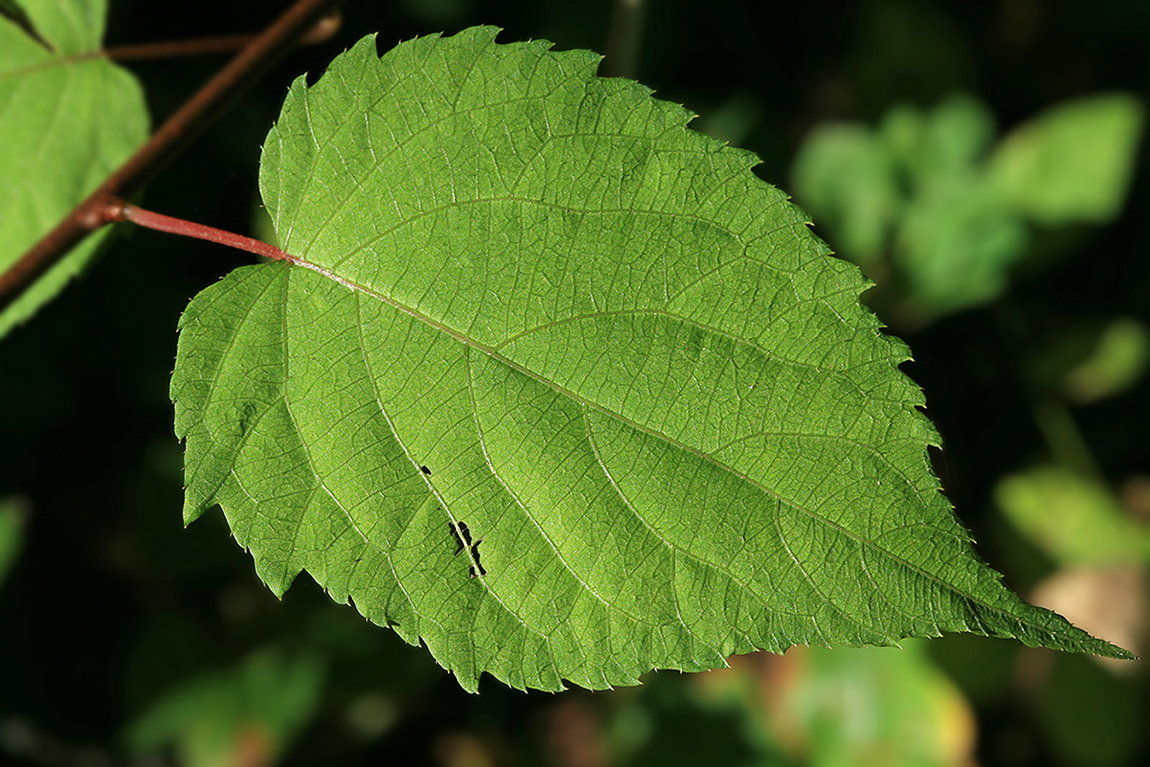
(192, 511)
(1105, 649)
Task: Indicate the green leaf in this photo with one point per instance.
(69, 121)
(1073, 162)
(956, 243)
(1075, 520)
(904, 711)
(1117, 362)
(1092, 361)
(950, 139)
(529, 301)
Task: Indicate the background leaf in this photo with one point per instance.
(848, 177)
(1074, 519)
(247, 715)
(937, 216)
(1073, 162)
(1090, 363)
(530, 301)
(899, 709)
(68, 122)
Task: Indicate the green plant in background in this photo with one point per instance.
(253, 711)
(70, 118)
(1072, 519)
(937, 212)
(1091, 362)
(872, 706)
(859, 707)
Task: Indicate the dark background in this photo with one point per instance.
(112, 602)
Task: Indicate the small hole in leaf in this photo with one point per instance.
(461, 534)
(475, 556)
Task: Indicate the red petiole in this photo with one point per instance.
(149, 220)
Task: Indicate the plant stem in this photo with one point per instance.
(105, 204)
(320, 32)
(149, 220)
(171, 49)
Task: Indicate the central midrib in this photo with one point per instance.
(495, 354)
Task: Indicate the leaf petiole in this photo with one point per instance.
(160, 222)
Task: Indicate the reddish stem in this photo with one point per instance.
(105, 204)
(200, 46)
(170, 49)
(149, 220)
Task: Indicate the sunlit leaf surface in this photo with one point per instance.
(560, 388)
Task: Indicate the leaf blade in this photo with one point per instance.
(628, 366)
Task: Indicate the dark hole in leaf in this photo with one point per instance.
(462, 536)
(425, 470)
(475, 556)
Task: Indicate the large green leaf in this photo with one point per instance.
(529, 301)
(68, 121)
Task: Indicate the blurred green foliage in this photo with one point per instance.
(234, 717)
(936, 213)
(1073, 519)
(877, 706)
(1091, 361)
(1072, 163)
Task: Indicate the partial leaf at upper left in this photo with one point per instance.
(67, 120)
